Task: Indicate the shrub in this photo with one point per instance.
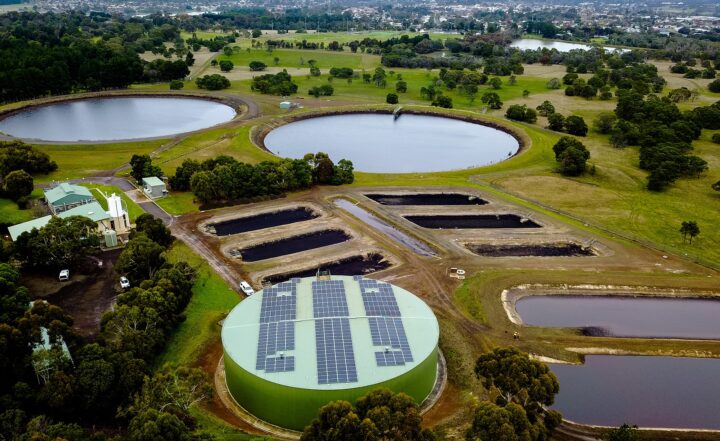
(278, 84)
(716, 138)
(443, 101)
(556, 122)
(554, 84)
(257, 66)
(572, 156)
(213, 82)
(324, 90)
(391, 98)
(176, 85)
(575, 125)
(227, 65)
(521, 113)
(401, 87)
(714, 86)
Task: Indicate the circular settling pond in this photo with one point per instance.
(108, 119)
(378, 143)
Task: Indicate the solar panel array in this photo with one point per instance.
(386, 326)
(277, 328)
(335, 355)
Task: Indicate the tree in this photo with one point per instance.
(716, 186)
(278, 84)
(442, 101)
(140, 259)
(256, 33)
(189, 59)
(679, 95)
(492, 99)
(60, 244)
(519, 112)
(714, 86)
(623, 433)
(18, 185)
(142, 167)
(257, 66)
(401, 87)
(492, 422)
(689, 229)
(554, 84)
(154, 229)
(157, 426)
(324, 90)
(604, 122)
(546, 108)
(16, 155)
(174, 390)
(379, 415)
(212, 82)
(176, 84)
(556, 122)
(575, 125)
(391, 98)
(227, 65)
(716, 138)
(379, 77)
(517, 377)
(495, 83)
(181, 180)
(573, 161)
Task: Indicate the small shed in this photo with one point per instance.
(285, 105)
(154, 187)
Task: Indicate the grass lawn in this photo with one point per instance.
(178, 203)
(10, 214)
(77, 161)
(211, 300)
(134, 209)
(292, 58)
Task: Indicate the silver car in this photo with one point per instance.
(246, 288)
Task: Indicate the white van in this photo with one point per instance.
(64, 275)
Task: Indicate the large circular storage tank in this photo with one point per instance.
(292, 348)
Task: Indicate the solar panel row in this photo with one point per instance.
(277, 328)
(386, 326)
(335, 356)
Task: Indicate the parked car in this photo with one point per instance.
(124, 282)
(64, 275)
(246, 288)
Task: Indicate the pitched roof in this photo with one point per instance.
(93, 211)
(17, 230)
(64, 190)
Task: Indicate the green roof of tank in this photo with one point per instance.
(241, 331)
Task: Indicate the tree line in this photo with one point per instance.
(224, 179)
(18, 162)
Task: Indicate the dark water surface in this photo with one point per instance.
(107, 119)
(294, 244)
(265, 220)
(472, 221)
(377, 143)
(426, 199)
(350, 266)
(626, 316)
(648, 391)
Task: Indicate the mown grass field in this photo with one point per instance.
(299, 58)
(82, 160)
(10, 214)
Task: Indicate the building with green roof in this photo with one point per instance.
(92, 210)
(16, 230)
(292, 348)
(66, 196)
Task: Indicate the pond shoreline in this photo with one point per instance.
(258, 134)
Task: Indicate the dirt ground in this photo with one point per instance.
(91, 290)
